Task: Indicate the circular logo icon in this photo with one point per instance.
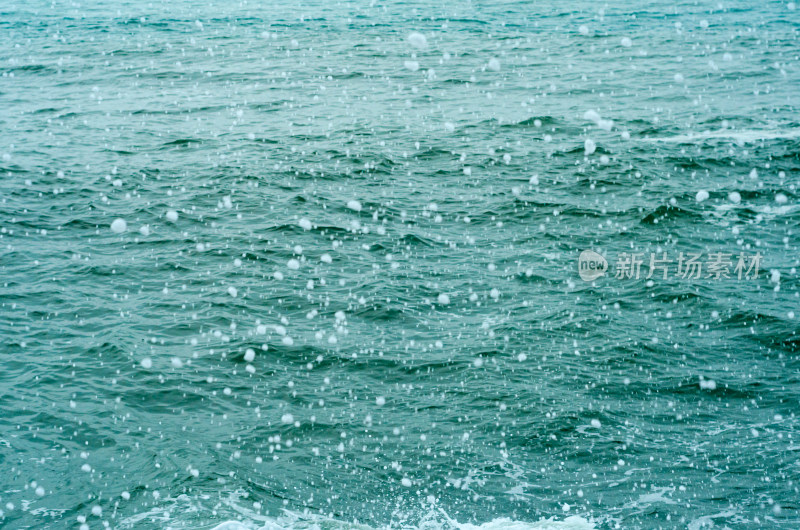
(591, 265)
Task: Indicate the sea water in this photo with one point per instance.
(316, 264)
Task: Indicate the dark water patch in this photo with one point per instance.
(182, 142)
(671, 213)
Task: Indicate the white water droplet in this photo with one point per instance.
(119, 226)
(417, 40)
(708, 384)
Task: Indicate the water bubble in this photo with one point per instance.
(119, 226)
(417, 40)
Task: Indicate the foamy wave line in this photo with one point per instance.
(741, 136)
(185, 512)
(438, 522)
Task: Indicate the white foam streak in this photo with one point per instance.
(741, 136)
(433, 521)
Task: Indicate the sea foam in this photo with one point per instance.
(434, 521)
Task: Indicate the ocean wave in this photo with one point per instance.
(739, 136)
(435, 520)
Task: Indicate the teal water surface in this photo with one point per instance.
(306, 264)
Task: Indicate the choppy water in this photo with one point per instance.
(392, 228)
